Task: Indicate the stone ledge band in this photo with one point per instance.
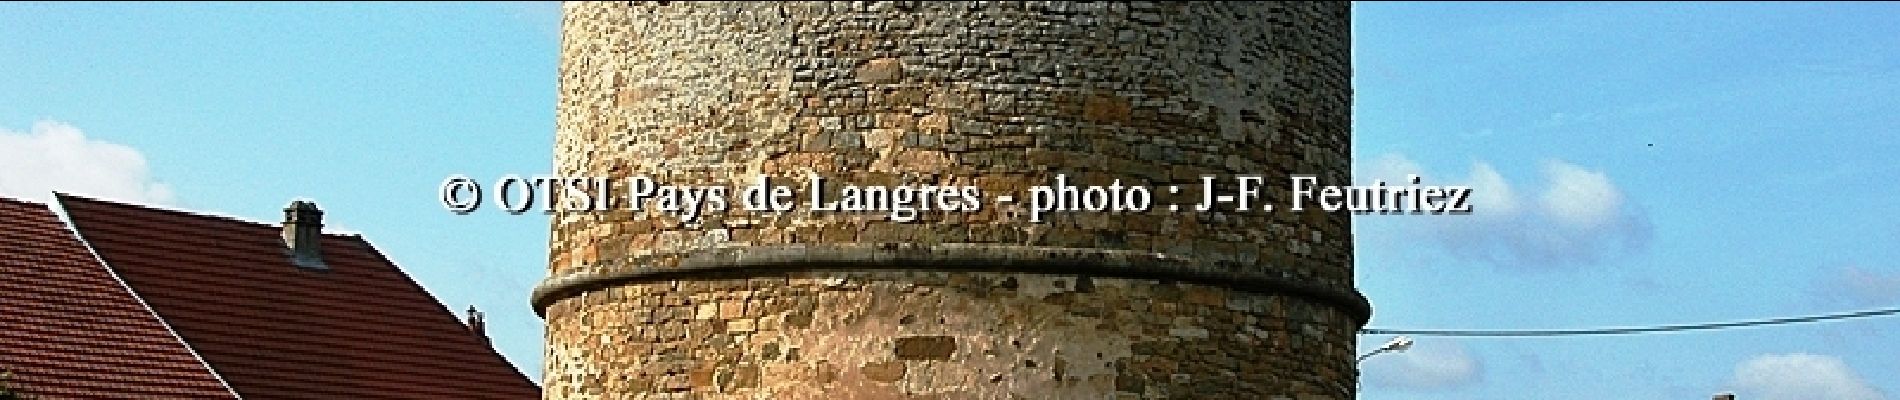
(752, 261)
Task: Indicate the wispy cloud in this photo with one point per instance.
(56, 156)
(1579, 217)
(1561, 119)
(1858, 286)
(1865, 65)
(1429, 365)
(1800, 376)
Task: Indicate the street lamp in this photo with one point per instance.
(1396, 345)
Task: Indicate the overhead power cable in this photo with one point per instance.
(1631, 330)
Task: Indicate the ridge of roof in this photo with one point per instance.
(22, 200)
(176, 210)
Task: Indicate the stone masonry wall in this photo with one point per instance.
(929, 335)
(1000, 95)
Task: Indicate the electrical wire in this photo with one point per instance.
(1632, 330)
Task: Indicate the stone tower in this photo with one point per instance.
(999, 95)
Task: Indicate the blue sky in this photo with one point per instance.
(1638, 164)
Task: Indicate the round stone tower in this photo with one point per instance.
(1002, 96)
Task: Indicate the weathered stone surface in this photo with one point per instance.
(998, 95)
(882, 70)
(925, 347)
(884, 371)
(859, 343)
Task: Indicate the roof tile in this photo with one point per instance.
(68, 329)
(359, 329)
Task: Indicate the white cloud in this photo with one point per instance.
(1578, 217)
(1496, 197)
(1390, 168)
(56, 156)
(1579, 197)
(1800, 377)
(1428, 365)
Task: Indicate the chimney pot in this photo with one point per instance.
(303, 234)
(477, 324)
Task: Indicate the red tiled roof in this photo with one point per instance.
(362, 329)
(68, 329)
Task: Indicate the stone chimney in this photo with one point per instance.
(476, 324)
(303, 234)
